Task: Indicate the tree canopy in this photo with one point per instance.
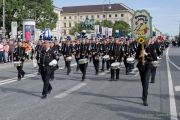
(42, 11)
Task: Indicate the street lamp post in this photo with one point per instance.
(3, 30)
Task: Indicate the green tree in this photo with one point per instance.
(42, 11)
(122, 26)
(77, 28)
(107, 23)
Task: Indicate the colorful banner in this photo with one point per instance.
(141, 24)
(14, 29)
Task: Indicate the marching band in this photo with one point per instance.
(112, 53)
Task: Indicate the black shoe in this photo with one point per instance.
(82, 80)
(19, 79)
(145, 103)
(152, 82)
(23, 75)
(49, 91)
(44, 97)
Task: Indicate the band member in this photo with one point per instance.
(153, 52)
(83, 61)
(55, 50)
(77, 53)
(38, 50)
(144, 65)
(105, 51)
(19, 55)
(46, 62)
(95, 56)
(113, 58)
(68, 50)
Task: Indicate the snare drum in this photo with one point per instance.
(82, 61)
(106, 57)
(115, 65)
(155, 63)
(68, 58)
(18, 63)
(130, 60)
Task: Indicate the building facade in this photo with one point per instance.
(76, 14)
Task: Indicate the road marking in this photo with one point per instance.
(177, 88)
(73, 64)
(173, 111)
(67, 92)
(15, 79)
(105, 72)
(174, 64)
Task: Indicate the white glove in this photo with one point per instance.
(145, 53)
(53, 63)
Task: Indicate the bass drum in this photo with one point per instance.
(18, 63)
(106, 57)
(130, 60)
(69, 58)
(155, 63)
(115, 65)
(83, 61)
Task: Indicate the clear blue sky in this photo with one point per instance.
(165, 13)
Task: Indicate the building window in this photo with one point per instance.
(65, 25)
(109, 16)
(69, 24)
(116, 15)
(64, 32)
(122, 15)
(75, 17)
(86, 16)
(64, 17)
(97, 16)
(104, 16)
(92, 16)
(69, 17)
(80, 17)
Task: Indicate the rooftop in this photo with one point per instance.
(94, 8)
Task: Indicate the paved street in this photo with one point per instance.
(95, 99)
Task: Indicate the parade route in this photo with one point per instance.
(95, 99)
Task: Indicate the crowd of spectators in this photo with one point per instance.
(7, 48)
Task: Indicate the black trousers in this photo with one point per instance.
(113, 71)
(107, 64)
(127, 66)
(45, 74)
(96, 65)
(153, 74)
(83, 68)
(145, 76)
(68, 66)
(77, 67)
(20, 71)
